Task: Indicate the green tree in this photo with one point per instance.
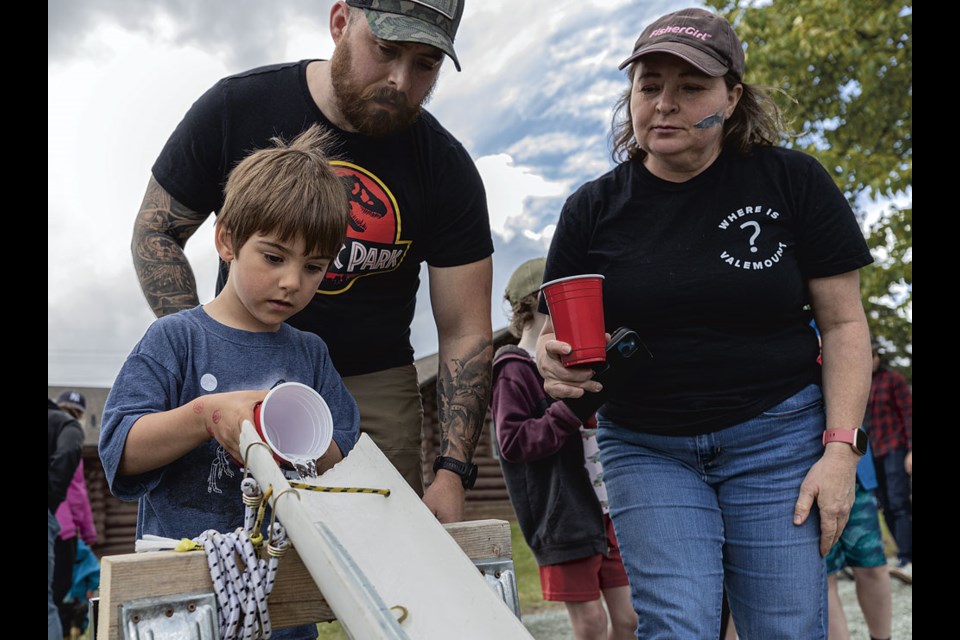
(843, 75)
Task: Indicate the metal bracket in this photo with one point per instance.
(183, 616)
(502, 578)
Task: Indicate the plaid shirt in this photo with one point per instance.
(889, 420)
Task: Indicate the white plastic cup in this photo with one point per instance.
(295, 422)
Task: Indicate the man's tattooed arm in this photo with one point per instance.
(160, 233)
(463, 391)
(460, 297)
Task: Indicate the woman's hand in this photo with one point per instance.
(560, 381)
(831, 482)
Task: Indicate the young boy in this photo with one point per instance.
(173, 415)
(550, 462)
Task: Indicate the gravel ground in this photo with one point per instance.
(553, 624)
(902, 609)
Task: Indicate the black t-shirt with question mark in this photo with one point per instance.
(712, 274)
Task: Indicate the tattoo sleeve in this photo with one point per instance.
(160, 233)
(463, 391)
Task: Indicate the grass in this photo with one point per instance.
(528, 576)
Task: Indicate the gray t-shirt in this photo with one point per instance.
(186, 355)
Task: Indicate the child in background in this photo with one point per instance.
(172, 419)
(76, 521)
(860, 547)
(550, 462)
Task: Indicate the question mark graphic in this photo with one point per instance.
(753, 236)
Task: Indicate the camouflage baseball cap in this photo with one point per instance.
(432, 22)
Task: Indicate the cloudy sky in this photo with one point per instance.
(532, 106)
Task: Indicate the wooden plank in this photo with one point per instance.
(295, 598)
(483, 539)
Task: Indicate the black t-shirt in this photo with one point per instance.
(415, 196)
(712, 274)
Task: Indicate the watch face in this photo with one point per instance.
(471, 477)
(860, 441)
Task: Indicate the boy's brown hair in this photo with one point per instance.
(521, 315)
(289, 189)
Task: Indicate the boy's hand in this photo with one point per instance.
(222, 414)
(332, 456)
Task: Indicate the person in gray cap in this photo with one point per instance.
(730, 457)
(415, 196)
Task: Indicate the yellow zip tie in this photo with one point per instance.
(312, 487)
(186, 544)
(257, 540)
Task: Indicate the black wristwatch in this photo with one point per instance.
(466, 470)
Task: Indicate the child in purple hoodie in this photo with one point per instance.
(550, 462)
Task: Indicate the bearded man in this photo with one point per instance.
(415, 196)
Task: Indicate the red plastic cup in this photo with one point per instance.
(576, 308)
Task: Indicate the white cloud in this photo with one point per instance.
(508, 187)
(108, 117)
(532, 106)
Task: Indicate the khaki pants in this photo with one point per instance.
(392, 415)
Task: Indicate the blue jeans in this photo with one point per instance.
(54, 630)
(893, 490)
(692, 513)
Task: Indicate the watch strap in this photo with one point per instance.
(466, 470)
(852, 437)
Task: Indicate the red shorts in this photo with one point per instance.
(583, 580)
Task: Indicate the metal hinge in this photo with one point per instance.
(183, 616)
(502, 578)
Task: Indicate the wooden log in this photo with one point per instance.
(295, 598)
(489, 483)
(123, 519)
(486, 494)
